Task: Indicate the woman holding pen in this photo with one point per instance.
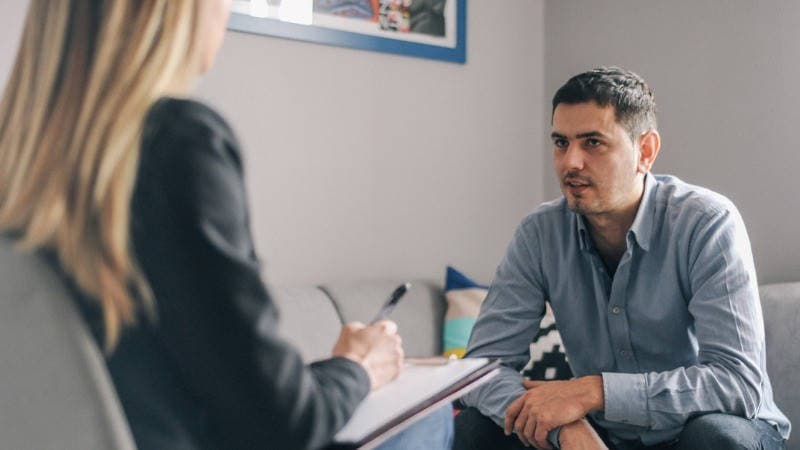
(136, 194)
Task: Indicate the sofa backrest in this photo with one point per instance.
(781, 306)
(311, 317)
(308, 319)
(56, 392)
(419, 315)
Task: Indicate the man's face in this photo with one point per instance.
(595, 160)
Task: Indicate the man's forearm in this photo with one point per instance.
(493, 397)
(594, 401)
(594, 397)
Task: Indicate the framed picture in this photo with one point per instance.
(433, 29)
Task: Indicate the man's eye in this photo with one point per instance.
(561, 143)
(593, 143)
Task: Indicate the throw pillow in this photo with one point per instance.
(548, 360)
(464, 297)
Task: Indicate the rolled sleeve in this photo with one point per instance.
(626, 398)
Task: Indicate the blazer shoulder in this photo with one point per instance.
(179, 127)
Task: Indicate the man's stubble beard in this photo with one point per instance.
(578, 206)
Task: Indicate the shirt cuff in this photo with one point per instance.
(552, 437)
(626, 398)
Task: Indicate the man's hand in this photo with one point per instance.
(580, 436)
(549, 404)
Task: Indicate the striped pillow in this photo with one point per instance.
(464, 298)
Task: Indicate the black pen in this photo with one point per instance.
(394, 299)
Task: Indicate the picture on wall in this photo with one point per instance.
(424, 28)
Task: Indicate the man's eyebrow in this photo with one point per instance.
(588, 134)
(591, 134)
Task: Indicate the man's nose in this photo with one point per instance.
(572, 158)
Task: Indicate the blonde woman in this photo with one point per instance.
(137, 197)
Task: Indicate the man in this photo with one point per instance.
(654, 291)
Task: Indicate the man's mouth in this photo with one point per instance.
(576, 187)
(576, 183)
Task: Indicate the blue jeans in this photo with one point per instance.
(434, 432)
(475, 431)
(729, 432)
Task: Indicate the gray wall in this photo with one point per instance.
(370, 192)
(725, 74)
(366, 165)
(12, 16)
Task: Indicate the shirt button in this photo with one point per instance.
(616, 310)
(623, 352)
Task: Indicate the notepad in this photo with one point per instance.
(419, 390)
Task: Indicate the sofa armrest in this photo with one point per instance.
(781, 307)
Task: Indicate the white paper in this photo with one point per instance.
(415, 384)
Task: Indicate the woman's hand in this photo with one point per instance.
(378, 348)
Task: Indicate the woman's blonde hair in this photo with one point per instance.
(71, 118)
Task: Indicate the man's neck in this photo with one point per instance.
(609, 231)
(608, 234)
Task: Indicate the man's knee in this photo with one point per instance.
(474, 431)
(726, 431)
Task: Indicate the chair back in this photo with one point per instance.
(55, 391)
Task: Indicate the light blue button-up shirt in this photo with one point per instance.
(676, 332)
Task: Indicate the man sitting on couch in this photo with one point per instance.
(654, 291)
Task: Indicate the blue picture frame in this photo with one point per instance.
(328, 36)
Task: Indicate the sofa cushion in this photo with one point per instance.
(781, 306)
(418, 316)
(308, 320)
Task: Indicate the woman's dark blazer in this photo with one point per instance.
(211, 372)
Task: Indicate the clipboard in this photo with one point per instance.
(418, 391)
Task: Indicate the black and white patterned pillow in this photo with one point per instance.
(548, 360)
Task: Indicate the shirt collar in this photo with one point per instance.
(642, 227)
(583, 232)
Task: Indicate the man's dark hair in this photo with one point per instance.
(633, 101)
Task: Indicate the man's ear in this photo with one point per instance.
(649, 145)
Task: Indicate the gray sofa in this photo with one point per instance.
(56, 394)
(781, 306)
(419, 317)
